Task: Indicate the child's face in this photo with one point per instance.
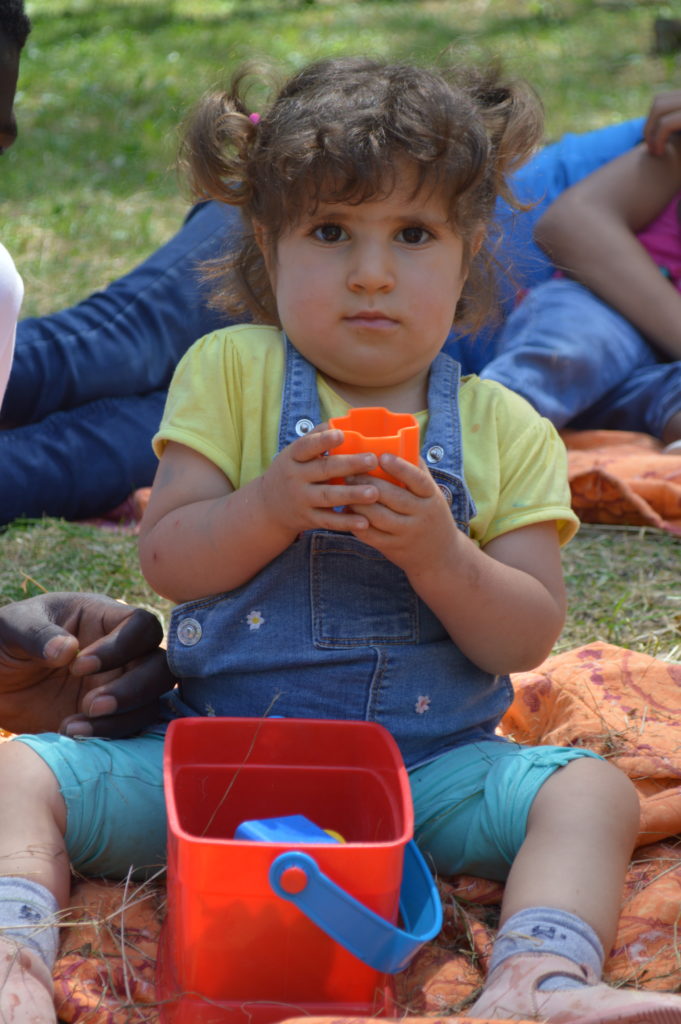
(367, 293)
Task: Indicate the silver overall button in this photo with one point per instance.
(446, 493)
(435, 453)
(189, 632)
(304, 426)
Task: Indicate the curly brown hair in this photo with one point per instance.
(339, 131)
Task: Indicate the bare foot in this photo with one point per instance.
(26, 991)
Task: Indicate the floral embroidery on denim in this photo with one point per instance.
(254, 620)
(209, 711)
(422, 705)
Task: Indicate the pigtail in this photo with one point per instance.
(514, 120)
(217, 145)
(510, 115)
(218, 154)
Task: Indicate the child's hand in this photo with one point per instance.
(297, 490)
(411, 525)
(663, 121)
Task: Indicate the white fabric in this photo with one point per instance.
(11, 294)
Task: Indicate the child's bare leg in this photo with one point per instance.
(580, 834)
(32, 821)
(562, 904)
(34, 883)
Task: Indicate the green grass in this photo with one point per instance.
(623, 588)
(50, 554)
(90, 189)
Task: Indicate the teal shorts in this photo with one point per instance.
(115, 807)
(470, 804)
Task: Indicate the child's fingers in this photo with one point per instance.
(340, 467)
(378, 517)
(663, 120)
(340, 495)
(416, 479)
(389, 495)
(658, 133)
(394, 510)
(319, 445)
(342, 519)
(321, 466)
(316, 443)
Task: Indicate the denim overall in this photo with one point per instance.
(332, 629)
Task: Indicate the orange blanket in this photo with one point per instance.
(621, 477)
(622, 704)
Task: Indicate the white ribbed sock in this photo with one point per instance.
(547, 930)
(28, 915)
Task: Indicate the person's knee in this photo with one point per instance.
(595, 785)
(606, 778)
(588, 793)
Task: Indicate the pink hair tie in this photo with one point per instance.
(254, 118)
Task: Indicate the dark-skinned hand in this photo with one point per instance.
(80, 663)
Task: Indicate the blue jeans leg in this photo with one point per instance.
(79, 462)
(127, 339)
(563, 349)
(645, 401)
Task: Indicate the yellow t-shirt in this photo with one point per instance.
(225, 401)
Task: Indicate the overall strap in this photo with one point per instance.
(300, 408)
(442, 448)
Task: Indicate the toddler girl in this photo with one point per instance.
(366, 192)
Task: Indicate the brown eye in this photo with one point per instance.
(330, 233)
(414, 236)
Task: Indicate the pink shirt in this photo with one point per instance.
(662, 239)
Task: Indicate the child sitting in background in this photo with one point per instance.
(600, 348)
(366, 191)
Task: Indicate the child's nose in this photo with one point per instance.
(371, 269)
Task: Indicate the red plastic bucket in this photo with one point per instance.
(231, 948)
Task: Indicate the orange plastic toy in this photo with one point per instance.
(376, 429)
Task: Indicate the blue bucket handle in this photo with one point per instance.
(367, 935)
